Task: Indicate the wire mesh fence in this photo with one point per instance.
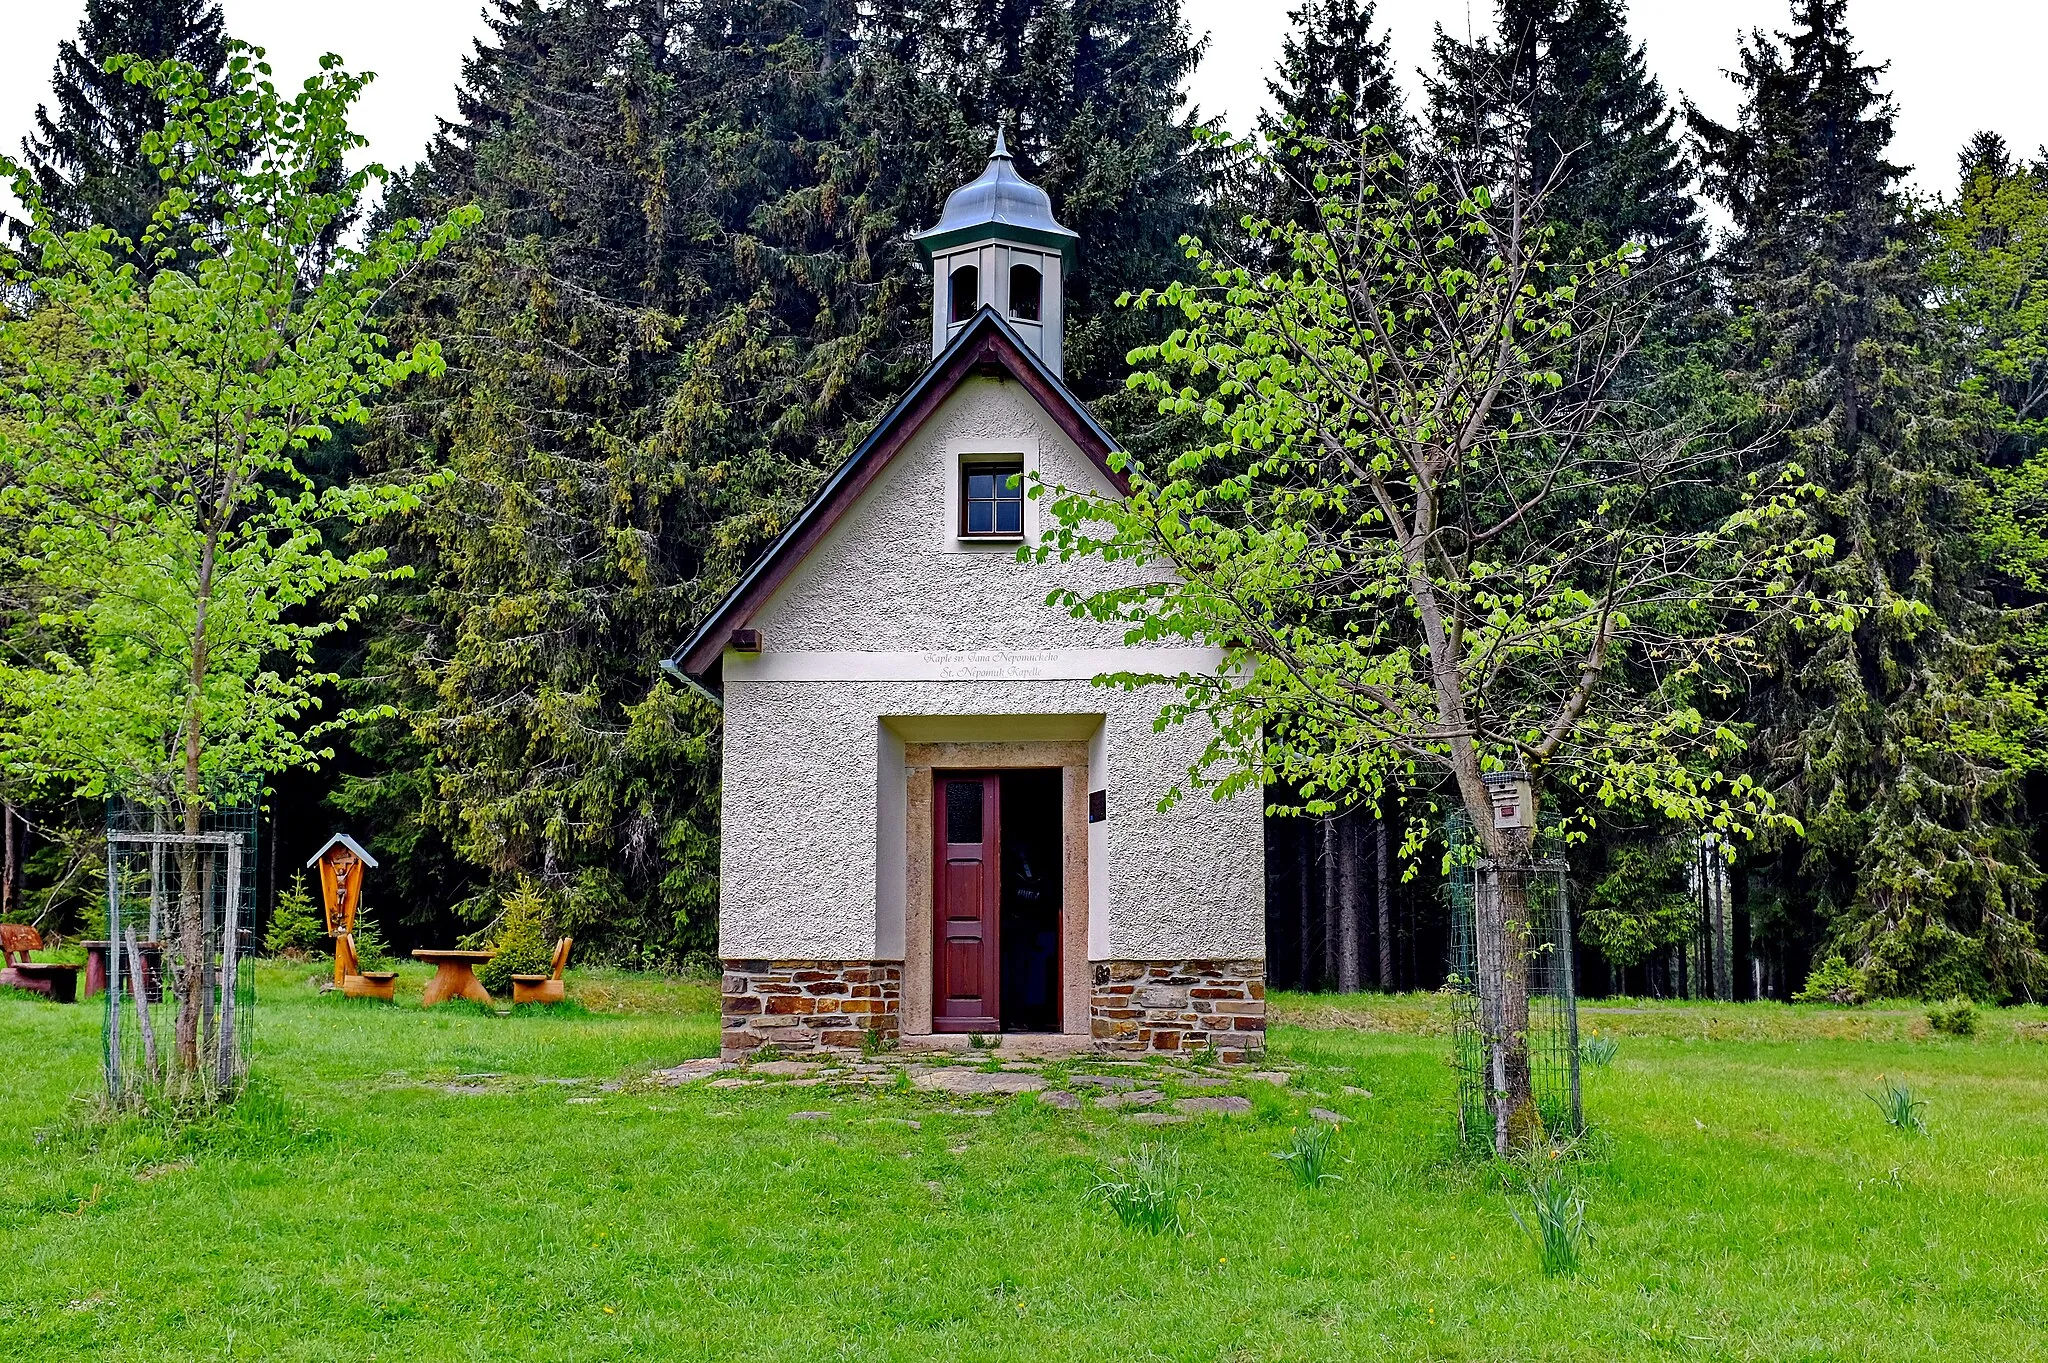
(1516, 1028)
(180, 1004)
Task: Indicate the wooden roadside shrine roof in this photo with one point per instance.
(986, 345)
(346, 841)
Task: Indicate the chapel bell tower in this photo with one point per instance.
(997, 245)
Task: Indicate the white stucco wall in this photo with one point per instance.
(891, 615)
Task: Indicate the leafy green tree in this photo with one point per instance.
(1989, 270)
(1429, 542)
(88, 159)
(159, 530)
(1893, 744)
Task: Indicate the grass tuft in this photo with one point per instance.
(1556, 1225)
(1310, 1154)
(1149, 1191)
(1900, 1108)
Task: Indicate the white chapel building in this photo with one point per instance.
(934, 823)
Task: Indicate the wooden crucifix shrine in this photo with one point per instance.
(341, 864)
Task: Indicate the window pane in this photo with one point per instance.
(963, 811)
(1010, 517)
(980, 517)
(981, 486)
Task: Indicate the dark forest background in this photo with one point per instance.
(693, 291)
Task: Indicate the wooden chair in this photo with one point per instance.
(356, 982)
(544, 988)
(56, 982)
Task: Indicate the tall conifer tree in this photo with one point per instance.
(1335, 85)
(1568, 72)
(87, 157)
(1886, 741)
(693, 290)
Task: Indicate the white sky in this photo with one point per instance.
(1956, 66)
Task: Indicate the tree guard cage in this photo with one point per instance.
(180, 999)
(1516, 1024)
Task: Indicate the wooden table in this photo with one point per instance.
(453, 978)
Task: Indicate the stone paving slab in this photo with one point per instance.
(1156, 1118)
(1226, 1102)
(1061, 1099)
(952, 1080)
(1101, 1081)
(785, 1068)
(1323, 1114)
(1135, 1098)
(691, 1070)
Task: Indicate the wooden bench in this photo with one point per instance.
(356, 982)
(53, 981)
(544, 988)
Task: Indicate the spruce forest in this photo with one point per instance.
(679, 287)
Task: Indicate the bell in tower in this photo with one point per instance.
(997, 246)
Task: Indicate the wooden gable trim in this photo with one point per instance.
(986, 346)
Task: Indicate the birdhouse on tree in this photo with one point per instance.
(341, 864)
(1513, 799)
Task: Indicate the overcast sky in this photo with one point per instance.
(1956, 66)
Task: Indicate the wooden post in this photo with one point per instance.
(113, 1024)
(230, 928)
(139, 983)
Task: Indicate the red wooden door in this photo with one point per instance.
(966, 904)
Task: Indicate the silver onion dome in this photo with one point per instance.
(998, 203)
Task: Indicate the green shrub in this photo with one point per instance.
(1957, 1017)
(522, 937)
(298, 928)
(1834, 981)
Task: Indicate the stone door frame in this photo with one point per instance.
(920, 760)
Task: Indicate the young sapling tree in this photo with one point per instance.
(160, 533)
(1433, 539)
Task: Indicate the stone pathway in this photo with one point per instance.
(1135, 1090)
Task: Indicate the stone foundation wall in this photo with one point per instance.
(794, 1007)
(1180, 1006)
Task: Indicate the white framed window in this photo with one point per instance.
(989, 508)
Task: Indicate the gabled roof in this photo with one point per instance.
(987, 344)
(351, 844)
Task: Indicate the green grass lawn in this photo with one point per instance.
(404, 1185)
